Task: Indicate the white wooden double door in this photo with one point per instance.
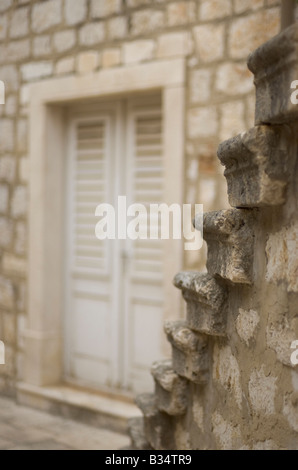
(114, 288)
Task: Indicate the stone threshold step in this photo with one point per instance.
(91, 408)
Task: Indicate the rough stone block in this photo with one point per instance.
(234, 78)
(181, 13)
(19, 25)
(4, 194)
(91, 34)
(147, 21)
(42, 46)
(9, 75)
(4, 4)
(75, 12)
(100, 8)
(64, 40)
(7, 168)
(15, 51)
(230, 239)
(257, 166)
(173, 44)
(202, 122)
(206, 302)
(189, 352)
(14, 265)
(170, 389)
(65, 66)
(19, 202)
(6, 294)
(138, 51)
(6, 232)
(87, 62)
(110, 57)
(200, 86)
(3, 26)
(248, 32)
(35, 70)
(7, 135)
(158, 426)
(137, 434)
(212, 9)
(209, 41)
(46, 15)
(275, 66)
(232, 119)
(117, 27)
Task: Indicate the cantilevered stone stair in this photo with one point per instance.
(257, 168)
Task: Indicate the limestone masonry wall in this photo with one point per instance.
(231, 383)
(41, 39)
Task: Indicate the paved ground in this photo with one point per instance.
(22, 428)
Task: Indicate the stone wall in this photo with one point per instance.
(231, 383)
(51, 38)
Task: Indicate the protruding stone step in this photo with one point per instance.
(257, 166)
(189, 352)
(230, 238)
(170, 389)
(158, 426)
(137, 434)
(275, 67)
(206, 302)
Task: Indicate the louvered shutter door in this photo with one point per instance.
(90, 290)
(145, 290)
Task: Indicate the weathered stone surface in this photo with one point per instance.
(257, 166)
(117, 28)
(5, 231)
(35, 70)
(6, 294)
(42, 45)
(209, 41)
(173, 44)
(282, 261)
(246, 324)
(87, 62)
(91, 34)
(275, 66)
(232, 119)
(206, 309)
(75, 12)
(137, 434)
(230, 241)
(19, 25)
(110, 57)
(262, 389)
(171, 391)
(248, 32)
(138, 51)
(189, 352)
(45, 15)
(146, 21)
(158, 426)
(181, 13)
(211, 9)
(66, 65)
(226, 371)
(200, 86)
(202, 122)
(64, 40)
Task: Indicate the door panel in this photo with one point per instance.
(115, 287)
